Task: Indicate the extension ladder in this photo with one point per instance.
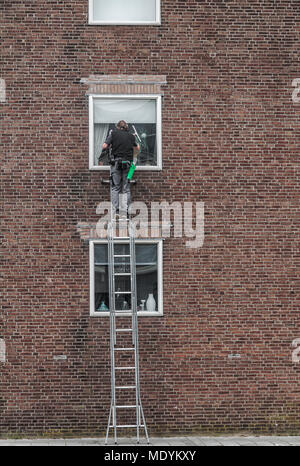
(122, 269)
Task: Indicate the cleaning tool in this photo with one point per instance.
(133, 164)
(131, 170)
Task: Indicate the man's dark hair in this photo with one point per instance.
(122, 125)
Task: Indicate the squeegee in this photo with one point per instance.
(133, 165)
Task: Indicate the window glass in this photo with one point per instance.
(146, 275)
(123, 11)
(140, 114)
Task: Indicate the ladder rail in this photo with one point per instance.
(140, 418)
(135, 326)
(113, 413)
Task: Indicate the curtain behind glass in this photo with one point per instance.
(124, 11)
(100, 133)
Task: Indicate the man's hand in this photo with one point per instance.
(136, 150)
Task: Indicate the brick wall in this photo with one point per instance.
(220, 359)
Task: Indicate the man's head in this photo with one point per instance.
(122, 125)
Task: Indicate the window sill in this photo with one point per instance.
(124, 23)
(139, 168)
(140, 314)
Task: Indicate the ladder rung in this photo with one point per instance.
(121, 237)
(128, 425)
(123, 329)
(122, 311)
(126, 406)
(124, 349)
(126, 387)
(125, 219)
(121, 255)
(123, 292)
(125, 368)
(122, 274)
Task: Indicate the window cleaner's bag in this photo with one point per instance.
(131, 170)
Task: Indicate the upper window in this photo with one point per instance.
(124, 11)
(142, 113)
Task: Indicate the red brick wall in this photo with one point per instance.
(230, 139)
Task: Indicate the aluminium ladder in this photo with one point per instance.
(122, 265)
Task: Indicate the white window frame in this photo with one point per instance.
(157, 20)
(156, 97)
(159, 243)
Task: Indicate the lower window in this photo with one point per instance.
(148, 277)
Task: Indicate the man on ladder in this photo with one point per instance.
(123, 149)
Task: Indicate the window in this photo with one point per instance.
(148, 276)
(124, 12)
(142, 113)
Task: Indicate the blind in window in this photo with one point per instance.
(124, 11)
(130, 110)
(145, 253)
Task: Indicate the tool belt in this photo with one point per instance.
(120, 164)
